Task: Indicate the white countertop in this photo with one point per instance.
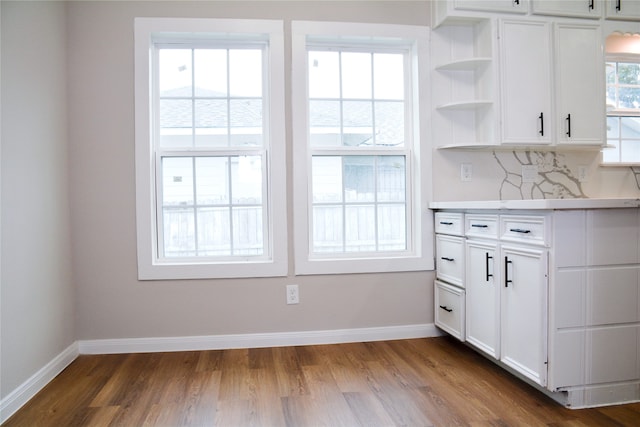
(548, 204)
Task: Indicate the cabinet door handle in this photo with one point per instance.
(618, 6)
(541, 117)
(568, 119)
(480, 225)
(506, 272)
(486, 261)
(447, 259)
(447, 309)
(516, 2)
(519, 230)
(591, 6)
(446, 223)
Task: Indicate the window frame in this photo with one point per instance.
(191, 32)
(418, 161)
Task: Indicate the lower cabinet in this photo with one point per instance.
(523, 314)
(554, 297)
(506, 305)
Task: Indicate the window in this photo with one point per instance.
(357, 93)
(623, 112)
(210, 152)
(623, 99)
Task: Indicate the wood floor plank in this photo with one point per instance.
(419, 382)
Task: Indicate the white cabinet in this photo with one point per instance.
(574, 8)
(483, 296)
(523, 332)
(552, 84)
(554, 295)
(623, 9)
(579, 84)
(525, 75)
(447, 11)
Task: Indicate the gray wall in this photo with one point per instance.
(37, 296)
(112, 303)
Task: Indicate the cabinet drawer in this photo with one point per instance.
(449, 309)
(449, 223)
(526, 229)
(481, 226)
(450, 259)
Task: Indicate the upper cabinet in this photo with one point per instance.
(579, 84)
(551, 83)
(447, 11)
(574, 8)
(525, 82)
(622, 9)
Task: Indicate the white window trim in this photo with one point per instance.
(148, 266)
(421, 256)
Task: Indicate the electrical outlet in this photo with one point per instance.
(466, 172)
(293, 297)
(529, 173)
(583, 173)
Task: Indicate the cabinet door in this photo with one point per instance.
(524, 311)
(623, 9)
(579, 84)
(525, 93)
(483, 297)
(511, 6)
(574, 8)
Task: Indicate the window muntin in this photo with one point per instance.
(210, 157)
(357, 160)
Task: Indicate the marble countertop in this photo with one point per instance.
(542, 204)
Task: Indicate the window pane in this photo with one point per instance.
(613, 127)
(247, 231)
(324, 123)
(610, 71)
(629, 73)
(324, 74)
(327, 229)
(630, 127)
(359, 178)
(246, 180)
(179, 232)
(629, 97)
(391, 179)
(389, 129)
(360, 228)
(177, 181)
(246, 122)
(357, 123)
(211, 121)
(176, 123)
(212, 177)
(245, 72)
(210, 72)
(388, 76)
(326, 179)
(175, 72)
(391, 228)
(214, 232)
(356, 75)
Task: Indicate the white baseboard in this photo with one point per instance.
(21, 395)
(276, 339)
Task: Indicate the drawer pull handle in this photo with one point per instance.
(447, 309)
(480, 225)
(487, 258)
(519, 230)
(447, 259)
(446, 223)
(506, 272)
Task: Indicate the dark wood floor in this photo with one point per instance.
(421, 382)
